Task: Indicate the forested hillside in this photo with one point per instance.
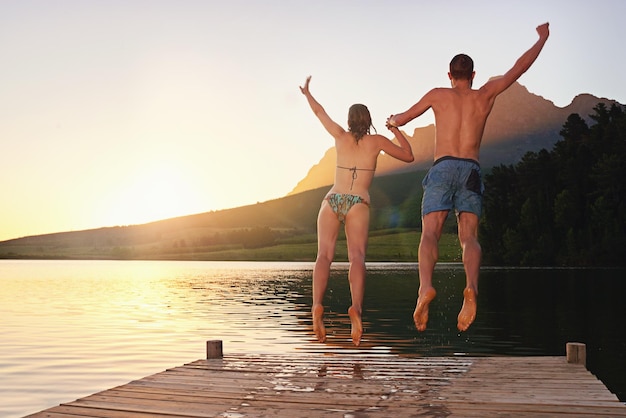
(566, 206)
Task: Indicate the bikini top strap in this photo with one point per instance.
(354, 170)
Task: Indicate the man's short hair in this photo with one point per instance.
(461, 67)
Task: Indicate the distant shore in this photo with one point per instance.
(391, 246)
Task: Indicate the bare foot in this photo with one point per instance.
(420, 316)
(468, 311)
(357, 326)
(318, 323)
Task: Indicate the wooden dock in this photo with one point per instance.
(355, 386)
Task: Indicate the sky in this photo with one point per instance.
(121, 112)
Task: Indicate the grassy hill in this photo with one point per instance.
(280, 229)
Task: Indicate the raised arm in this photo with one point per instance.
(403, 152)
(333, 128)
(497, 85)
(414, 111)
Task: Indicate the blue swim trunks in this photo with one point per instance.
(453, 183)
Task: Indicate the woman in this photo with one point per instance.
(347, 202)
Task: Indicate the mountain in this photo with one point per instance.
(519, 122)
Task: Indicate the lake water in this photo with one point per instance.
(72, 328)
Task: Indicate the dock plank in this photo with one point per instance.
(338, 385)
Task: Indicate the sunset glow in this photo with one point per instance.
(152, 193)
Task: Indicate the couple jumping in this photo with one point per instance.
(453, 182)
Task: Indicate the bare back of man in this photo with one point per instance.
(461, 114)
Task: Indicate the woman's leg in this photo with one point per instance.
(327, 229)
(357, 229)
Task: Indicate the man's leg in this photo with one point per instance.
(472, 253)
(428, 253)
(327, 229)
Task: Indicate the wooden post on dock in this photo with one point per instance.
(576, 353)
(214, 349)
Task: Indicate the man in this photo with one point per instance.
(454, 181)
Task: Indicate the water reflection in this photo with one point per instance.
(94, 325)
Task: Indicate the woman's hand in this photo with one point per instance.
(305, 89)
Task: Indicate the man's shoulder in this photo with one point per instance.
(441, 90)
(453, 93)
(439, 93)
(494, 86)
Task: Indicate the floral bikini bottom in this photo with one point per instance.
(342, 202)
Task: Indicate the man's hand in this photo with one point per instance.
(391, 122)
(543, 30)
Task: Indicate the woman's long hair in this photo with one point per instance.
(359, 121)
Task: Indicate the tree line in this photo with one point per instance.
(566, 206)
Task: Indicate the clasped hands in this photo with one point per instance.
(391, 122)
